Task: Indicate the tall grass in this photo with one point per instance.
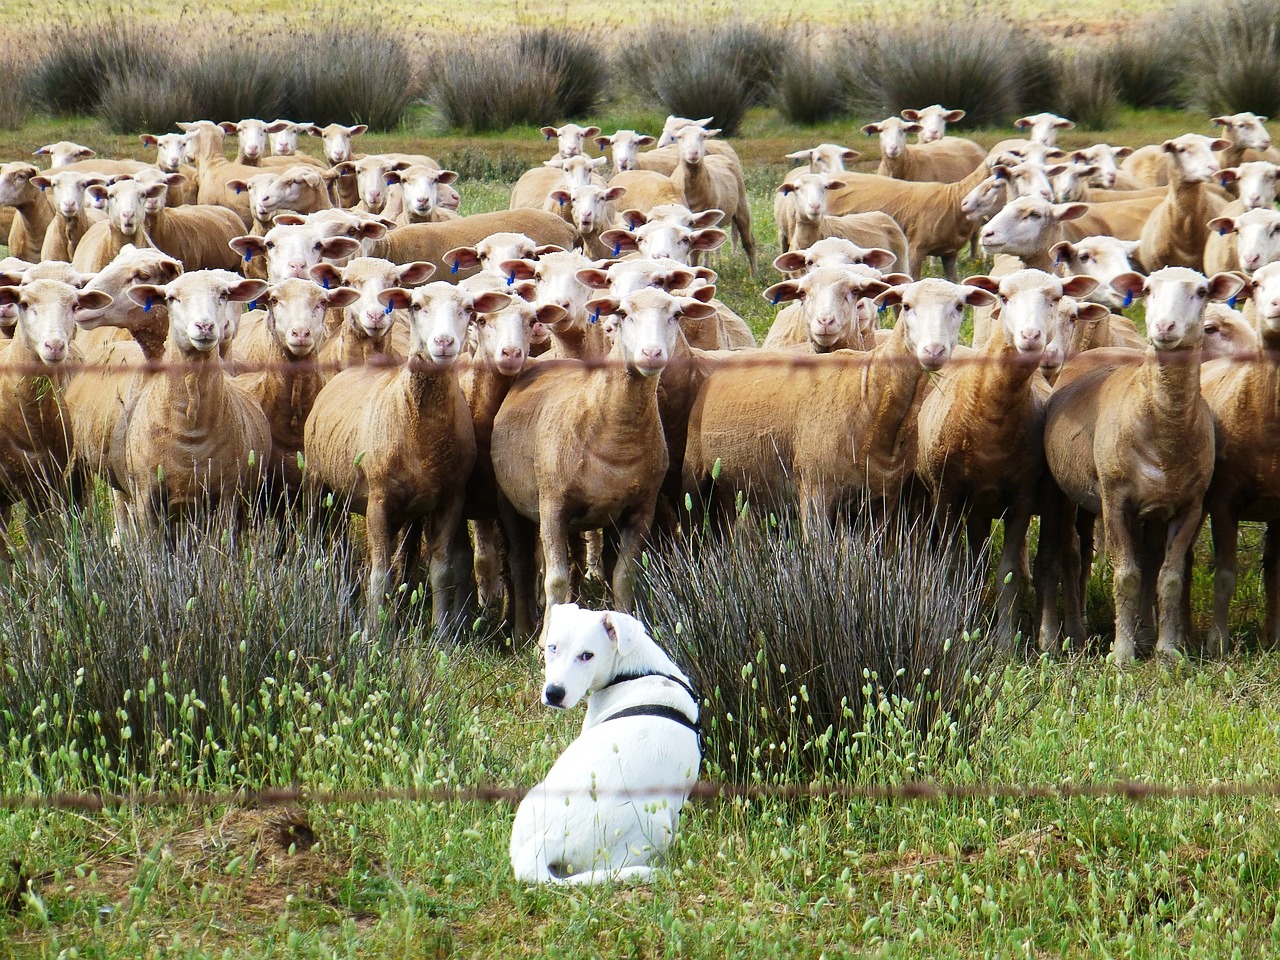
(988, 66)
(718, 70)
(1149, 66)
(809, 86)
(808, 649)
(1085, 89)
(1235, 51)
(80, 61)
(247, 78)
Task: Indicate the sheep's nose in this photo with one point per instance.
(205, 328)
(444, 340)
(1251, 262)
(1032, 336)
(553, 695)
(54, 349)
(513, 353)
(933, 354)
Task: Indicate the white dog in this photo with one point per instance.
(611, 803)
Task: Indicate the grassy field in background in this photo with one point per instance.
(1043, 878)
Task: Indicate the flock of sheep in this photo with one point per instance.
(604, 391)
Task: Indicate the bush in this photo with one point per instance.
(718, 70)
(1148, 70)
(1085, 90)
(80, 62)
(138, 103)
(988, 67)
(349, 72)
(804, 646)
(219, 644)
(236, 81)
(809, 87)
(580, 71)
(16, 107)
(1235, 51)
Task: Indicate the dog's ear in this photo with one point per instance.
(624, 630)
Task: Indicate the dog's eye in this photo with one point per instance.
(584, 657)
(551, 650)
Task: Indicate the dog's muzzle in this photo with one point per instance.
(553, 695)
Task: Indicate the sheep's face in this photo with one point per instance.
(292, 250)
(1258, 240)
(1193, 156)
(667, 240)
(577, 169)
(1265, 293)
(1021, 228)
(171, 150)
(504, 338)
(648, 324)
(1104, 157)
(15, 184)
(421, 189)
(264, 195)
(808, 195)
(337, 140)
(125, 202)
(830, 158)
(1176, 298)
(1103, 258)
(1256, 184)
(204, 307)
(593, 207)
(253, 139)
(571, 138)
(296, 311)
(371, 182)
(47, 311)
(893, 135)
(284, 137)
(984, 200)
(673, 125)
(1029, 179)
(152, 203)
(1245, 130)
(1226, 333)
(628, 276)
(68, 191)
(626, 148)
(1044, 127)
(1028, 303)
(439, 314)
(932, 311)
(64, 152)
(834, 301)
(497, 247)
(933, 121)
(692, 141)
(1071, 182)
(557, 283)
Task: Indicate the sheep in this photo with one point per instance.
(578, 447)
(835, 309)
(556, 280)
(978, 446)
(933, 121)
(365, 228)
(811, 222)
(1227, 334)
(300, 189)
(592, 212)
(833, 251)
(200, 236)
(1255, 184)
(942, 161)
(366, 329)
(625, 146)
(929, 213)
(646, 190)
(337, 140)
(1128, 436)
(1103, 258)
(64, 152)
(32, 210)
(1108, 175)
(292, 249)
(252, 135)
(534, 188)
(289, 340)
(376, 194)
(1246, 242)
(824, 158)
(1249, 139)
(35, 439)
(125, 222)
(571, 139)
(192, 438)
(1044, 127)
(283, 136)
(433, 242)
(711, 182)
(839, 425)
(73, 218)
(664, 238)
(397, 445)
(670, 135)
(1176, 232)
(420, 188)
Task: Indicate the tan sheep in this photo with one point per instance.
(646, 190)
(64, 152)
(366, 329)
(712, 182)
(431, 242)
(555, 279)
(214, 171)
(942, 161)
(420, 187)
(397, 445)
(625, 149)
(73, 217)
(579, 448)
(291, 249)
(835, 310)
(933, 121)
(124, 200)
(834, 427)
(1176, 232)
(33, 210)
(811, 222)
(1129, 437)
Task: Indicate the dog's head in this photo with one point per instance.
(583, 648)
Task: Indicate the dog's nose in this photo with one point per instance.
(553, 695)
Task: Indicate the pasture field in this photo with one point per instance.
(307, 703)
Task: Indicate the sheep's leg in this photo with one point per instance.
(1126, 577)
(554, 534)
(1073, 582)
(488, 562)
(1009, 569)
(447, 563)
(977, 531)
(1271, 587)
(949, 267)
(520, 534)
(631, 539)
(1226, 567)
(1172, 629)
(377, 535)
(1086, 547)
(1048, 569)
(742, 223)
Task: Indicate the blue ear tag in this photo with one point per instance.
(560, 200)
(454, 269)
(1222, 233)
(146, 307)
(617, 248)
(511, 278)
(1232, 302)
(548, 136)
(631, 224)
(595, 316)
(388, 310)
(1128, 297)
(776, 299)
(247, 256)
(325, 283)
(254, 305)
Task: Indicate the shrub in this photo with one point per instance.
(988, 67)
(1149, 67)
(718, 70)
(232, 82)
(1085, 90)
(1235, 51)
(804, 646)
(80, 62)
(138, 103)
(809, 87)
(344, 71)
(200, 637)
(579, 70)
(16, 107)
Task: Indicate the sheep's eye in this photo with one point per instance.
(1202, 292)
(1084, 258)
(480, 321)
(270, 245)
(316, 245)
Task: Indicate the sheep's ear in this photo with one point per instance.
(143, 294)
(836, 184)
(909, 114)
(174, 179)
(1057, 168)
(550, 313)
(978, 297)
(327, 275)
(1122, 152)
(1132, 285)
(414, 273)
(340, 297)
(544, 248)
(622, 241)
(347, 168)
(239, 186)
(602, 142)
(706, 218)
(1131, 247)
(791, 262)
(276, 126)
(1022, 123)
(334, 248)
(446, 176)
(871, 289)
(549, 132)
(871, 129)
(358, 129)
(249, 247)
(709, 239)
(149, 140)
(93, 301)
(784, 291)
(525, 290)
(395, 298)
(624, 630)
(96, 193)
(634, 218)
(462, 258)
(490, 301)
(518, 269)
(155, 191)
(288, 218)
(227, 127)
(246, 291)
(561, 197)
(879, 258)
(614, 194)
(1168, 146)
(1061, 251)
(891, 297)
(371, 230)
(703, 294)
(603, 305)
(800, 155)
(644, 140)
(598, 162)
(1219, 144)
(42, 182)
(1222, 225)
(1224, 286)
(1080, 286)
(1228, 175)
(1220, 121)
(989, 284)
(912, 127)
(1064, 124)
(849, 156)
(1091, 313)
(591, 132)
(1070, 211)
(682, 277)
(594, 278)
(896, 279)
(953, 116)
(391, 177)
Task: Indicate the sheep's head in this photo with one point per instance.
(933, 121)
(204, 307)
(1029, 305)
(296, 310)
(64, 152)
(504, 337)
(1103, 258)
(808, 193)
(1176, 299)
(171, 150)
(421, 187)
(439, 314)
(368, 277)
(125, 201)
(253, 139)
(648, 325)
(1104, 157)
(1264, 290)
(68, 190)
(292, 250)
(893, 135)
(837, 302)
(1193, 156)
(626, 146)
(932, 312)
(1258, 236)
(1026, 225)
(47, 311)
(1044, 127)
(570, 138)
(661, 239)
(1245, 130)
